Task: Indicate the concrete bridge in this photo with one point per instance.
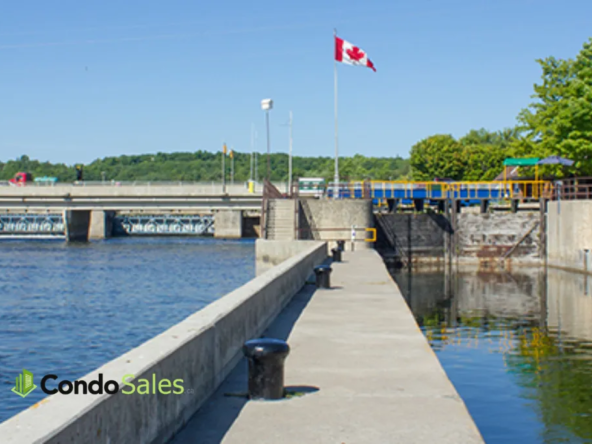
(130, 197)
(78, 211)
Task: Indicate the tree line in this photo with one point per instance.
(558, 122)
(207, 166)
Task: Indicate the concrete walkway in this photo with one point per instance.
(378, 380)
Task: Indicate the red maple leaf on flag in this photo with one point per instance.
(355, 53)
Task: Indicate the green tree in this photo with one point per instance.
(438, 156)
(485, 153)
(559, 122)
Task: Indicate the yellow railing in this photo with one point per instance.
(528, 189)
(373, 238)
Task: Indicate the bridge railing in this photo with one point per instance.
(573, 189)
(499, 190)
(215, 186)
(493, 190)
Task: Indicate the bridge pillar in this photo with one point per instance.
(101, 224)
(77, 224)
(228, 224)
(418, 204)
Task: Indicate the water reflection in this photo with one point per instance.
(517, 346)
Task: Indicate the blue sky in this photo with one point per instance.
(82, 80)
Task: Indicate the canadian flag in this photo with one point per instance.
(345, 52)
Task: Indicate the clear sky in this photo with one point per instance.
(81, 80)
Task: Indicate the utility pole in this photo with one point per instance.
(266, 105)
(268, 147)
(290, 155)
(252, 154)
(256, 159)
(224, 169)
(232, 166)
(290, 159)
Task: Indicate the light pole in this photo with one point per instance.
(224, 169)
(266, 105)
(290, 157)
(252, 153)
(256, 159)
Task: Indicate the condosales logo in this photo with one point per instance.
(50, 384)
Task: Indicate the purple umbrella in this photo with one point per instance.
(555, 160)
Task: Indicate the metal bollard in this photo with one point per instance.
(266, 367)
(341, 245)
(322, 273)
(336, 254)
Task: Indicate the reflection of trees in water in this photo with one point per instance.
(553, 369)
(558, 375)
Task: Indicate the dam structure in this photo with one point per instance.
(362, 368)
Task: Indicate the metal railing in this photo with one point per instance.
(143, 183)
(495, 190)
(269, 192)
(578, 188)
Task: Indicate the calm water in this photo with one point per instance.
(517, 346)
(68, 309)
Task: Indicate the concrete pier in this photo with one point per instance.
(378, 380)
(228, 224)
(101, 224)
(76, 223)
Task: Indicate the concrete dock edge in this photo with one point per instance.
(201, 350)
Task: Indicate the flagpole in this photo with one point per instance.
(336, 178)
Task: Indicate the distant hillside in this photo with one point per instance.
(206, 166)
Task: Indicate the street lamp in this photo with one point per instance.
(266, 105)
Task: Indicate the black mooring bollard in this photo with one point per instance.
(266, 367)
(336, 254)
(322, 273)
(341, 245)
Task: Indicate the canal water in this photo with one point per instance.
(67, 309)
(516, 345)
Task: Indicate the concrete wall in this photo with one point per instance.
(473, 238)
(201, 350)
(331, 214)
(487, 237)
(77, 223)
(269, 253)
(228, 224)
(569, 233)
